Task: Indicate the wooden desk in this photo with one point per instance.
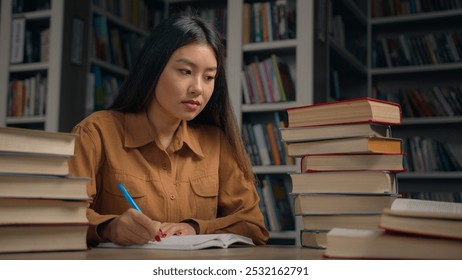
(243, 253)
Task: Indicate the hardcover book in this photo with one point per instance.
(344, 182)
(424, 217)
(377, 145)
(50, 187)
(42, 211)
(323, 204)
(322, 132)
(36, 141)
(328, 222)
(315, 239)
(43, 237)
(39, 164)
(344, 162)
(378, 244)
(349, 111)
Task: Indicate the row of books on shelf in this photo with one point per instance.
(27, 97)
(114, 45)
(42, 207)
(21, 6)
(102, 89)
(438, 101)
(385, 8)
(429, 155)
(29, 42)
(266, 21)
(134, 12)
(353, 45)
(267, 80)
(275, 203)
(263, 142)
(421, 49)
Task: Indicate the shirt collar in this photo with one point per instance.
(139, 133)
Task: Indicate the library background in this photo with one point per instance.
(60, 60)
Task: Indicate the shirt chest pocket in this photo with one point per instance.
(205, 195)
(114, 199)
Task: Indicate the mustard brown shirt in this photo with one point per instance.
(196, 179)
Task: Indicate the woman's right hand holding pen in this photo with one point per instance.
(132, 227)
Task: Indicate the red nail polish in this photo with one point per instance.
(157, 238)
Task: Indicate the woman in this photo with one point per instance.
(172, 140)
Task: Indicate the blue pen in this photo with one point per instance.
(128, 197)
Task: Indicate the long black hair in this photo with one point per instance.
(137, 91)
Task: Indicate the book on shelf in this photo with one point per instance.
(345, 162)
(328, 222)
(269, 201)
(424, 217)
(35, 186)
(102, 39)
(322, 132)
(39, 164)
(42, 211)
(190, 242)
(344, 182)
(356, 110)
(18, 33)
(375, 145)
(340, 203)
(378, 244)
(315, 239)
(45, 45)
(42, 237)
(36, 141)
(283, 208)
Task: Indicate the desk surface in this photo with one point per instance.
(241, 253)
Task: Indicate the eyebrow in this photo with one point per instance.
(192, 64)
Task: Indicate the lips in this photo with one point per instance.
(192, 102)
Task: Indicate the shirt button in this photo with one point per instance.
(172, 196)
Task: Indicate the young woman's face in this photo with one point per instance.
(186, 83)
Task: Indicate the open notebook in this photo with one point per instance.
(190, 242)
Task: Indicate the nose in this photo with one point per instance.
(196, 87)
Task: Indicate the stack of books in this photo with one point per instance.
(348, 163)
(42, 208)
(409, 229)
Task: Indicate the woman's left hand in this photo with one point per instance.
(169, 229)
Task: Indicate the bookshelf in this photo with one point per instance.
(55, 78)
(399, 66)
(118, 30)
(423, 65)
(341, 38)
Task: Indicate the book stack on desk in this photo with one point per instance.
(348, 164)
(409, 229)
(42, 207)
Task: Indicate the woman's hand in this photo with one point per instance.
(169, 229)
(132, 227)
